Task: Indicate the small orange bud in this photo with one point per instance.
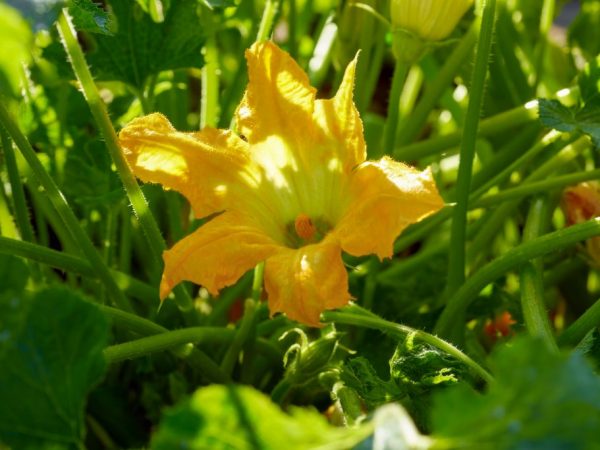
(500, 326)
(581, 202)
(305, 229)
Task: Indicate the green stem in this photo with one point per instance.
(98, 109)
(377, 51)
(248, 325)
(535, 248)
(490, 126)
(410, 93)
(389, 132)
(267, 20)
(16, 187)
(18, 196)
(582, 326)
(532, 284)
(197, 359)
(355, 315)
(457, 257)
(320, 61)
(546, 22)
(167, 340)
(64, 211)
(74, 264)
(172, 339)
(519, 163)
(410, 128)
(209, 102)
(536, 187)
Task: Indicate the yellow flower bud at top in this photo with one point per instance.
(417, 23)
(431, 20)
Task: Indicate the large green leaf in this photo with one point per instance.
(539, 400)
(240, 418)
(142, 47)
(52, 358)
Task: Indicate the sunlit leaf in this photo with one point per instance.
(240, 418)
(141, 47)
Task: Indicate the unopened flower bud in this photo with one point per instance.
(581, 203)
(418, 23)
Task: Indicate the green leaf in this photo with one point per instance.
(52, 358)
(13, 273)
(539, 400)
(554, 114)
(359, 374)
(88, 16)
(90, 178)
(588, 120)
(141, 48)
(416, 365)
(589, 82)
(240, 418)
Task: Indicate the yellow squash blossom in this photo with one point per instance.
(416, 24)
(293, 189)
(430, 20)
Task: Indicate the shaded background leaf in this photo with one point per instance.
(540, 400)
(52, 358)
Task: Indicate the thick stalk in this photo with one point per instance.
(75, 264)
(172, 339)
(16, 187)
(535, 248)
(527, 189)
(546, 21)
(582, 326)
(209, 102)
(393, 114)
(18, 196)
(267, 20)
(248, 325)
(410, 128)
(136, 197)
(532, 283)
(457, 257)
(197, 359)
(63, 210)
(492, 125)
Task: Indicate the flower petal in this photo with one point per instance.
(387, 196)
(217, 254)
(341, 121)
(279, 99)
(304, 282)
(210, 168)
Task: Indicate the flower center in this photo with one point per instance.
(304, 230)
(304, 227)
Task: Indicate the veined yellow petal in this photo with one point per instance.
(387, 196)
(341, 122)
(217, 254)
(304, 282)
(211, 168)
(279, 99)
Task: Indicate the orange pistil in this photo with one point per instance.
(304, 227)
